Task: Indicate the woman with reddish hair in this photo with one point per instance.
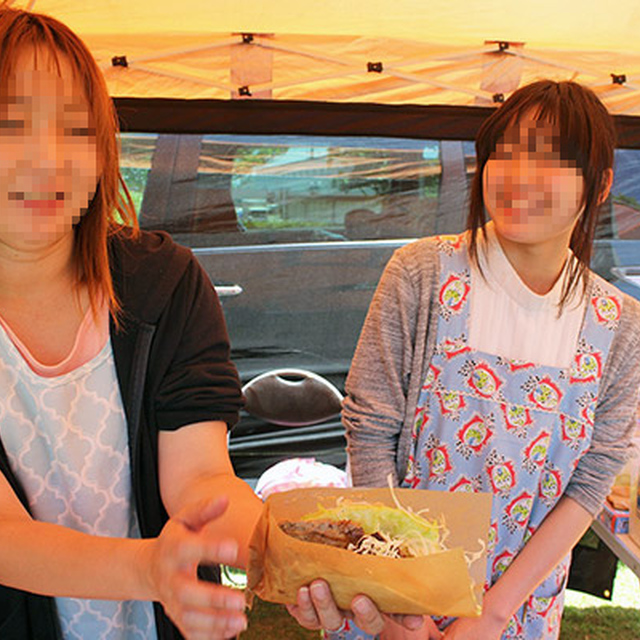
(497, 361)
(116, 388)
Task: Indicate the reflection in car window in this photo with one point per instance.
(265, 189)
(626, 196)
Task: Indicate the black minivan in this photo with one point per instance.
(294, 231)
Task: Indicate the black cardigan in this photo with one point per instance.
(171, 353)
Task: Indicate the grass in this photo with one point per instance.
(600, 623)
(585, 617)
(268, 621)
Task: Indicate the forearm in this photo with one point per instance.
(241, 516)
(556, 536)
(372, 442)
(52, 560)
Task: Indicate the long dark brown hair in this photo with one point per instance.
(586, 137)
(111, 206)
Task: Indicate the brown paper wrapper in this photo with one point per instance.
(439, 584)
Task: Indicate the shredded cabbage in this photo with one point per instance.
(389, 531)
(393, 532)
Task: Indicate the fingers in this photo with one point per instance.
(196, 594)
(194, 549)
(194, 516)
(196, 622)
(411, 622)
(204, 608)
(433, 633)
(315, 608)
(199, 609)
(329, 615)
(303, 611)
(367, 615)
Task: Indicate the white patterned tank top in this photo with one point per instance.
(66, 440)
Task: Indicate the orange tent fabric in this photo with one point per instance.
(449, 52)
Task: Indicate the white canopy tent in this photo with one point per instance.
(440, 52)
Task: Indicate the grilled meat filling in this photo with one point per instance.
(340, 533)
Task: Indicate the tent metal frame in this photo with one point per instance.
(349, 67)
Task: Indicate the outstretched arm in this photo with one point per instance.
(52, 560)
(212, 516)
(194, 465)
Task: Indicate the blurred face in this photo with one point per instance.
(48, 161)
(531, 193)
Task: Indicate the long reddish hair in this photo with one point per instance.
(586, 136)
(111, 208)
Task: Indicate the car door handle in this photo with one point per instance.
(228, 290)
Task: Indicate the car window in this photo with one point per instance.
(617, 255)
(626, 195)
(266, 189)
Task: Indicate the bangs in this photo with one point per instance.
(24, 34)
(551, 103)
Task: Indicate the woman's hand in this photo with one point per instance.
(201, 610)
(316, 609)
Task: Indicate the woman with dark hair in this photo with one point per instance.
(116, 388)
(497, 361)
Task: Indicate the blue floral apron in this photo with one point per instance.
(517, 429)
